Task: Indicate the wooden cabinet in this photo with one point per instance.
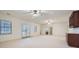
(73, 40)
(74, 19)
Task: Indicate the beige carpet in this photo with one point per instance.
(36, 42)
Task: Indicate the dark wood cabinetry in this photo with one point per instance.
(74, 19)
(73, 40)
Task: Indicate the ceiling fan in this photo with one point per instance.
(37, 12)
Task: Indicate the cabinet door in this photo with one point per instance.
(73, 40)
(76, 18)
(71, 20)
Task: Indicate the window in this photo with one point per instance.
(5, 27)
(33, 28)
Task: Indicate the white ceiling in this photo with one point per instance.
(48, 14)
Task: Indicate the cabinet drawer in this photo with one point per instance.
(73, 40)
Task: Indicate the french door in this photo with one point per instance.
(25, 30)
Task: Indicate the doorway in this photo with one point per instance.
(51, 30)
(25, 30)
(48, 31)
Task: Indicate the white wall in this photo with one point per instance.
(59, 27)
(16, 27)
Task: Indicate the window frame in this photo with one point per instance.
(5, 27)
